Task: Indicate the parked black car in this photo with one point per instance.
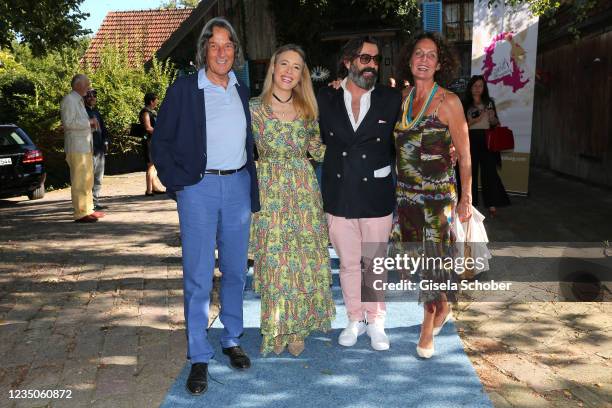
(22, 170)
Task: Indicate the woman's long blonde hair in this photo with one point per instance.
(303, 95)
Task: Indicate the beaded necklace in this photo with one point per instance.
(408, 122)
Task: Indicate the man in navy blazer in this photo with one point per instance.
(356, 122)
(202, 148)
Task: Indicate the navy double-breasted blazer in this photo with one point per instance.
(179, 138)
(358, 165)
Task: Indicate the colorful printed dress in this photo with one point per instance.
(289, 235)
(426, 197)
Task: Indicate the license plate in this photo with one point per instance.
(6, 161)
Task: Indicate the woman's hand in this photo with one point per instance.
(492, 117)
(475, 117)
(464, 208)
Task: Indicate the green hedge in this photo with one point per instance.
(31, 89)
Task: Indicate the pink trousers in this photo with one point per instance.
(347, 236)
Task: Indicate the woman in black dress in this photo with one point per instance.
(481, 115)
(147, 118)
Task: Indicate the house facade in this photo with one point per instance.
(171, 34)
(572, 129)
(572, 108)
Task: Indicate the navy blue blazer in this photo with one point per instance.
(179, 138)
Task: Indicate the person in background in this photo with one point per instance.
(78, 146)
(148, 117)
(481, 115)
(100, 146)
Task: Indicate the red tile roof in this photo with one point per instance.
(144, 30)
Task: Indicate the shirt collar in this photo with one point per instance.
(204, 82)
(343, 85)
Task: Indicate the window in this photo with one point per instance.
(10, 137)
(468, 17)
(452, 18)
(458, 17)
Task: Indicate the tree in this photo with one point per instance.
(547, 9)
(303, 21)
(31, 88)
(172, 4)
(43, 24)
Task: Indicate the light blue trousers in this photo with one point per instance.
(214, 212)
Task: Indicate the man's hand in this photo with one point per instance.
(453, 155)
(335, 84)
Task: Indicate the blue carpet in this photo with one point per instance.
(329, 375)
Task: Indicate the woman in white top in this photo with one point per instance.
(481, 115)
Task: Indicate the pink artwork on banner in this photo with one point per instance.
(501, 62)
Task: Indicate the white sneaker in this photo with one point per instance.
(378, 338)
(348, 337)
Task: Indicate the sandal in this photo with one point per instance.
(296, 347)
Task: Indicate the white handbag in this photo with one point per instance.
(471, 242)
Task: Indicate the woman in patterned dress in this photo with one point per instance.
(432, 119)
(289, 235)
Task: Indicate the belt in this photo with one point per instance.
(223, 172)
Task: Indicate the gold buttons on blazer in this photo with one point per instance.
(363, 156)
(378, 139)
(344, 154)
(338, 175)
(331, 133)
(365, 179)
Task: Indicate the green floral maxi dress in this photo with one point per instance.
(289, 235)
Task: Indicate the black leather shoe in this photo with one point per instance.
(197, 382)
(238, 358)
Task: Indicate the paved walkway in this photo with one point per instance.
(97, 309)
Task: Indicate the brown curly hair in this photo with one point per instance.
(447, 58)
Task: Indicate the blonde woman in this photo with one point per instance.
(289, 235)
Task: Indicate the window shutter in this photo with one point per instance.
(432, 16)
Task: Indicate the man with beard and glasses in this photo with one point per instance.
(356, 122)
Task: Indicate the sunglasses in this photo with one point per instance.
(366, 58)
(92, 94)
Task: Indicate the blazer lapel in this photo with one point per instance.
(343, 118)
(371, 116)
(199, 101)
(244, 99)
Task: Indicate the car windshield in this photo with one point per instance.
(12, 137)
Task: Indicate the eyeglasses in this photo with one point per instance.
(366, 58)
